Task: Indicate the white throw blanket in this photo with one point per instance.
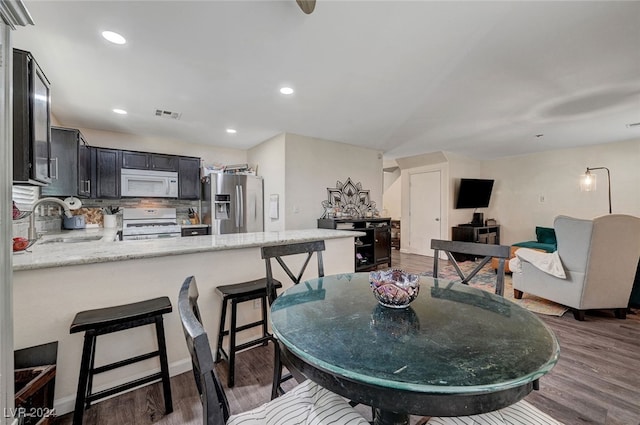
(547, 262)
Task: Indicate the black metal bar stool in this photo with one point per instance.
(239, 293)
(113, 319)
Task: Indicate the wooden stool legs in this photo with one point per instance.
(84, 395)
(234, 329)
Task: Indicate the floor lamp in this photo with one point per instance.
(588, 182)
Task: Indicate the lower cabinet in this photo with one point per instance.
(371, 250)
(195, 231)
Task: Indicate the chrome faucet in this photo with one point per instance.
(32, 219)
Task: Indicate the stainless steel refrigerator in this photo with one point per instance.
(233, 203)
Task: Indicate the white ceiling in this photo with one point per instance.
(477, 78)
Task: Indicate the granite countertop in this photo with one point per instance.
(58, 254)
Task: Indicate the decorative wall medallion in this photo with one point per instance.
(348, 200)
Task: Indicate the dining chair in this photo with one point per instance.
(486, 251)
(520, 413)
(278, 252)
(306, 403)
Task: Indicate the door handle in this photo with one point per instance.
(56, 168)
(241, 223)
(438, 219)
(237, 214)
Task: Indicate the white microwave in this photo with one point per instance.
(148, 183)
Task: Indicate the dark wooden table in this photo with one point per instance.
(456, 350)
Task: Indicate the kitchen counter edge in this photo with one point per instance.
(61, 254)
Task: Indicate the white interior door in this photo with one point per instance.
(425, 220)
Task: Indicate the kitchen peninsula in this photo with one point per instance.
(56, 280)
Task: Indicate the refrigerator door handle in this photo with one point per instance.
(237, 207)
(241, 199)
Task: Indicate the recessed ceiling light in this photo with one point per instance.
(231, 131)
(286, 90)
(120, 111)
(113, 37)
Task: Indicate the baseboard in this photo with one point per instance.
(66, 405)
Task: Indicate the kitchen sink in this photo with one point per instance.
(72, 240)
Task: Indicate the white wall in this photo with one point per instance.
(313, 165)
(461, 167)
(555, 175)
(269, 157)
(392, 196)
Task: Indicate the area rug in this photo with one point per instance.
(486, 280)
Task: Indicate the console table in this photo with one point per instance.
(477, 234)
(371, 250)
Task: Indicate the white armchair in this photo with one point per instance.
(600, 258)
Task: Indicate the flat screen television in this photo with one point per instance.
(474, 193)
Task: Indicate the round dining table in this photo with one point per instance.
(454, 351)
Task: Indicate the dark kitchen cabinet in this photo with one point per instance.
(160, 162)
(195, 231)
(137, 160)
(70, 164)
(371, 250)
(84, 168)
(106, 172)
(188, 178)
(382, 243)
(149, 161)
(479, 234)
(31, 121)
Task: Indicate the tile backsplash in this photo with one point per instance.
(49, 219)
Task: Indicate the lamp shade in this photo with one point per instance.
(588, 182)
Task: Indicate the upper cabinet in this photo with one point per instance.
(188, 178)
(70, 164)
(31, 121)
(149, 161)
(163, 162)
(106, 173)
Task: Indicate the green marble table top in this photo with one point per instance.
(453, 339)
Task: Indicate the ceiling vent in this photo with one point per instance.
(168, 114)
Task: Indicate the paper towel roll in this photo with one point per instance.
(72, 202)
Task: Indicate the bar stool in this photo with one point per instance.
(113, 319)
(263, 289)
(237, 293)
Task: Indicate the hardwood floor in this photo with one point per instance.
(596, 381)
